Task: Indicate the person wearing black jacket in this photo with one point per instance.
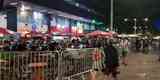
(111, 61)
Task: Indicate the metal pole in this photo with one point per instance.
(135, 26)
(111, 15)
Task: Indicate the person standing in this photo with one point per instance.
(138, 45)
(145, 46)
(111, 61)
(159, 50)
(124, 46)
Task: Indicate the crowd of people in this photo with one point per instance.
(113, 48)
(145, 45)
(40, 44)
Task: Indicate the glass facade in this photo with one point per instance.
(63, 24)
(53, 21)
(3, 20)
(73, 26)
(80, 26)
(30, 19)
(92, 27)
(86, 26)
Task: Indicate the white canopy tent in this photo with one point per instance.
(128, 35)
(157, 37)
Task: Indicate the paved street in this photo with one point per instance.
(140, 67)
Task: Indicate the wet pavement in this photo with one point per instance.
(140, 67)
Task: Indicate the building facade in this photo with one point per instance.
(24, 17)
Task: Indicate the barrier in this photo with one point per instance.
(77, 62)
(28, 65)
(46, 65)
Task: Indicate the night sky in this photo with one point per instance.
(130, 9)
(137, 9)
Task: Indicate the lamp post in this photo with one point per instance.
(126, 19)
(111, 15)
(146, 19)
(135, 25)
(145, 24)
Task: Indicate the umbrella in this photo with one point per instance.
(35, 34)
(3, 31)
(71, 34)
(99, 33)
(77, 34)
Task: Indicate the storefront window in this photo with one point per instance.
(73, 26)
(67, 26)
(3, 20)
(92, 27)
(53, 22)
(29, 20)
(63, 24)
(86, 26)
(24, 21)
(39, 23)
(79, 27)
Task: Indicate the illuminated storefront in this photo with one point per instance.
(3, 20)
(79, 28)
(63, 24)
(31, 21)
(28, 18)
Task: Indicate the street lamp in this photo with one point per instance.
(126, 19)
(135, 25)
(135, 19)
(145, 25)
(146, 19)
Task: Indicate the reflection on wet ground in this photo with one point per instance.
(140, 67)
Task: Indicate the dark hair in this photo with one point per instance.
(26, 24)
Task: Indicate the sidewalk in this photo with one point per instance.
(140, 67)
